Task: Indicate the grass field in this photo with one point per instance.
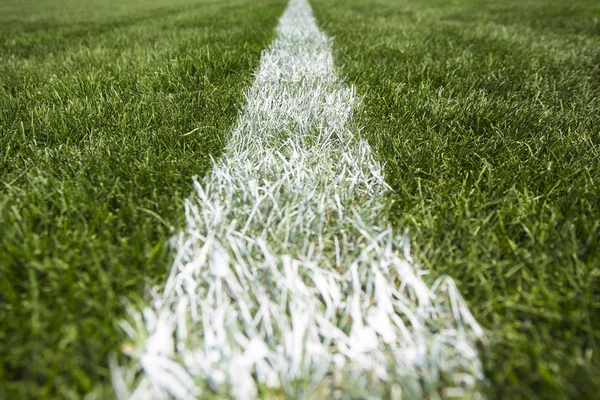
(107, 109)
(486, 114)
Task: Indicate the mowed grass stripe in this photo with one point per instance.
(486, 114)
(100, 135)
(287, 280)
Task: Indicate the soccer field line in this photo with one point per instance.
(287, 277)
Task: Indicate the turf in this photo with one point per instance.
(487, 114)
(107, 109)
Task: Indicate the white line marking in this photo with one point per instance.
(284, 277)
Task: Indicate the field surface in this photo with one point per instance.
(107, 109)
(485, 113)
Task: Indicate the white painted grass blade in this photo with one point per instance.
(287, 277)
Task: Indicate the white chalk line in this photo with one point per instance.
(284, 279)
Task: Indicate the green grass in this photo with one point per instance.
(107, 109)
(487, 113)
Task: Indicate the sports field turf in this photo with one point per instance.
(107, 111)
(486, 114)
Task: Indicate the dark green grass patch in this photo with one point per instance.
(487, 114)
(107, 109)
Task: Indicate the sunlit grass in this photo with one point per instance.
(487, 115)
(106, 112)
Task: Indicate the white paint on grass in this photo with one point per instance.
(285, 280)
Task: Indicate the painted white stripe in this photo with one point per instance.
(284, 277)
